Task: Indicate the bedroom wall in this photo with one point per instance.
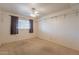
(62, 29)
(5, 22)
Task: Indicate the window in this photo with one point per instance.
(23, 24)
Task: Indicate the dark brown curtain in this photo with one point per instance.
(14, 24)
(31, 26)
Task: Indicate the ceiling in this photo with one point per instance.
(26, 8)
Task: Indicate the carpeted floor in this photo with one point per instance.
(35, 47)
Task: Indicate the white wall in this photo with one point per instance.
(61, 30)
(5, 21)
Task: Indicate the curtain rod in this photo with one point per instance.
(18, 16)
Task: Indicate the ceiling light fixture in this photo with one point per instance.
(34, 13)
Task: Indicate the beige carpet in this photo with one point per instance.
(35, 47)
